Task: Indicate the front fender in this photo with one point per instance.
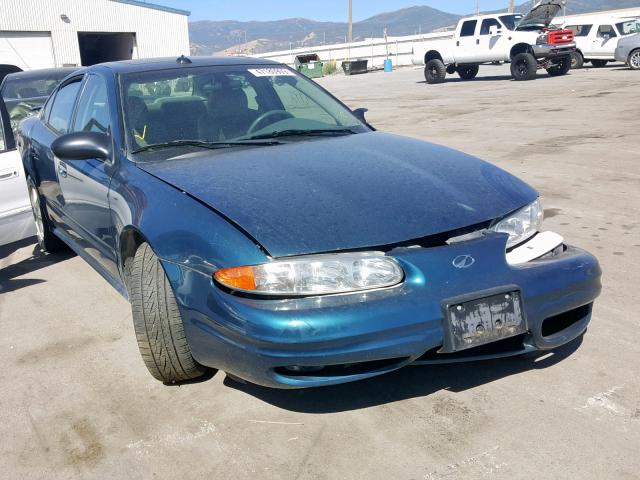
(180, 229)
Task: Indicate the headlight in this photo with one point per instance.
(521, 224)
(314, 275)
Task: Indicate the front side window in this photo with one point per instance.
(62, 107)
(93, 107)
(580, 30)
(606, 31)
(629, 27)
(487, 23)
(511, 21)
(222, 104)
(468, 28)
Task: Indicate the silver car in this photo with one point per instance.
(628, 51)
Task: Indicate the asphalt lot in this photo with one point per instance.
(77, 402)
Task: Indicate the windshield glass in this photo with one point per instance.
(25, 93)
(511, 21)
(629, 27)
(226, 104)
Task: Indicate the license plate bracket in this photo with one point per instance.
(483, 318)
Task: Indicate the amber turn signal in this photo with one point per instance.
(241, 278)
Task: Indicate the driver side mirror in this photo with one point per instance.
(359, 113)
(82, 146)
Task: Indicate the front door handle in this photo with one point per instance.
(62, 170)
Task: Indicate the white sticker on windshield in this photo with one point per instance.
(272, 72)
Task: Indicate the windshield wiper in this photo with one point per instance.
(203, 144)
(303, 133)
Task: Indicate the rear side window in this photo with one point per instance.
(487, 23)
(468, 28)
(580, 30)
(606, 31)
(93, 107)
(62, 107)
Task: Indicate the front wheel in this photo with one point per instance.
(634, 60)
(158, 323)
(435, 71)
(599, 63)
(468, 72)
(561, 67)
(524, 67)
(577, 60)
(47, 241)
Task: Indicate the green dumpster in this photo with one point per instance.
(309, 65)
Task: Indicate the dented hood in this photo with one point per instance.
(541, 14)
(350, 192)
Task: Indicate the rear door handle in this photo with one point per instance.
(62, 170)
(8, 174)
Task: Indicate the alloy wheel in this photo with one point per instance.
(634, 60)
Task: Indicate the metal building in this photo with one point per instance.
(56, 33)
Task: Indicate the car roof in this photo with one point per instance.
(42, 73)
(150, 64)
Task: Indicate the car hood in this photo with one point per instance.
(350, 192)
(633, 39)
(541, 14)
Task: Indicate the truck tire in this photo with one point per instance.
(561, 67)
(157, 321)
(599, 63)
(47, 241)
(577, 60)
(434, 71)
(468, 72)
(524, 67)
(634, 59)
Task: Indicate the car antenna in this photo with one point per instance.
(182, 60)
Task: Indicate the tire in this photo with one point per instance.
(599, 63)
(524, 67)
(157, 321)
(434, 71)
(634, 60)
(561, 67)
(47, 241)
(577, 60)
(468, 72)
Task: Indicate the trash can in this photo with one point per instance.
(355, 67)
(309, 65)
(388, 65)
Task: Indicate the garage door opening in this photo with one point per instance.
(105, 47)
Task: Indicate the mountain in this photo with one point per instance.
(209, 37)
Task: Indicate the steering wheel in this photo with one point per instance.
(273, 113)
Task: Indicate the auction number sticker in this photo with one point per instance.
(272, 72)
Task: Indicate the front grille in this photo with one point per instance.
(508, 345)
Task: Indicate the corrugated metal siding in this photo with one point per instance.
(158, 33)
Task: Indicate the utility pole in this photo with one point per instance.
(477, 7)
(511, 5)
(350, 36)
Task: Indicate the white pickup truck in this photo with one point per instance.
(528, 42)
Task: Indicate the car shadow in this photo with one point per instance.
(495, 78)
(408, 382)
(9, 280)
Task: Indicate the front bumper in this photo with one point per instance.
(622, 54)
(360, 335)
(551, 51)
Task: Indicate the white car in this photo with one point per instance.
(597, 37)
(529, 43)
(16, 219)
(21, 95)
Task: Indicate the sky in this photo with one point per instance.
(324, 10)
